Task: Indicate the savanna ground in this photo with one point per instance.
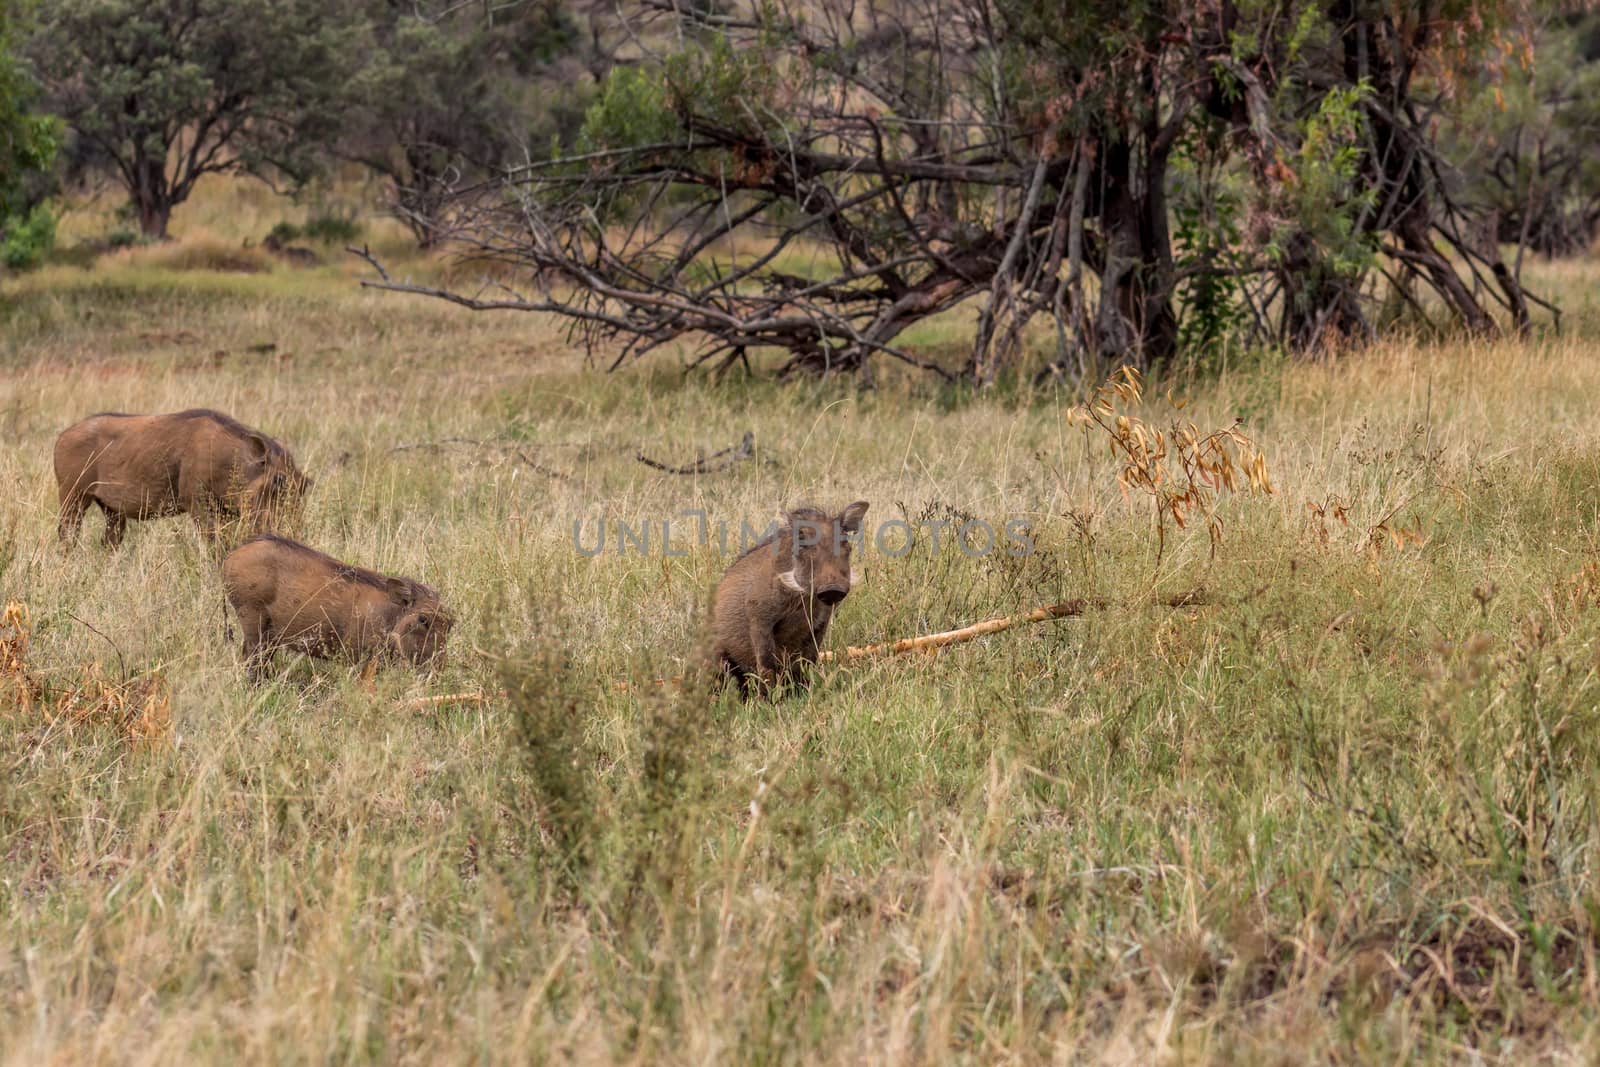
(1341, 804)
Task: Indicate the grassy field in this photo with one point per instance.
(1340, 804)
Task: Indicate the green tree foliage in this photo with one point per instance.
(27, 238)
(450, 91)
(1527, 141)
(27, 148)
(172, 90)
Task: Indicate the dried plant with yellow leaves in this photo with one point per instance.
(1181, 469)
(138, 708)
(18, 689)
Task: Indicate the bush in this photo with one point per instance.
(331, 227)
(26, 241)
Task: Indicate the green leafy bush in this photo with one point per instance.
(632, 110)
(26, 241)
(332, 227)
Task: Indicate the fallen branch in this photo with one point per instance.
(1068, 609)
(504, 448)
(423, 703)
(703, 465)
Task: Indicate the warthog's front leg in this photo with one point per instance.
(257, 648)
(116, 527)
(764, 648)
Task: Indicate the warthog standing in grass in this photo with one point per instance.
(299, 255)
(773, 607)
(149, 466)
(288, 595)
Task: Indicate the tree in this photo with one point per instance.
(793, 129)
(27, 140)
(1395, 67)
(817, 178)
(450, 91)
(1528, 142)
(172, 90)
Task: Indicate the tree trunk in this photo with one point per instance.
(1319, 307)
(152, 198)
(1135, 320)
(422, 196)
(1395, 165)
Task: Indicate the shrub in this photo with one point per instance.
(332, 227)
(27, 240)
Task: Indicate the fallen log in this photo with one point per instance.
(422, 703)
(1065, 610)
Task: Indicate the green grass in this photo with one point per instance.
(1342, 805)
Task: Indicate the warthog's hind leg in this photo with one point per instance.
(74, 502)
(257, 642)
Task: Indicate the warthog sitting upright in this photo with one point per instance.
(773, 607)
(289, 595)
(149, 466)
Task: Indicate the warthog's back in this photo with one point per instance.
(288, 578)
(288, 594)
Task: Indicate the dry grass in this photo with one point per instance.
(1342, 804)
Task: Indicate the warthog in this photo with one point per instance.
(773, 606)
(149, 466)
(299, 255)
(289, 595)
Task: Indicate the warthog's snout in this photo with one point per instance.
(832, 594)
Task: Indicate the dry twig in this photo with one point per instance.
(729, 457)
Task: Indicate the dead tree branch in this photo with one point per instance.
(713, 464)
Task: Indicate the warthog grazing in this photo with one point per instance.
(288, 595)
(773, 607)
(148, 466)
(299, 255)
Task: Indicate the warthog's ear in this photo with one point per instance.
(850, 518)
(260, 447)
(402, 592)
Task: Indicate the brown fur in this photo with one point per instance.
(296, 254)
(773, 606)
(147, 466)
(288, 595)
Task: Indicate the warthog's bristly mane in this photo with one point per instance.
(344, 570)
(232, 425)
